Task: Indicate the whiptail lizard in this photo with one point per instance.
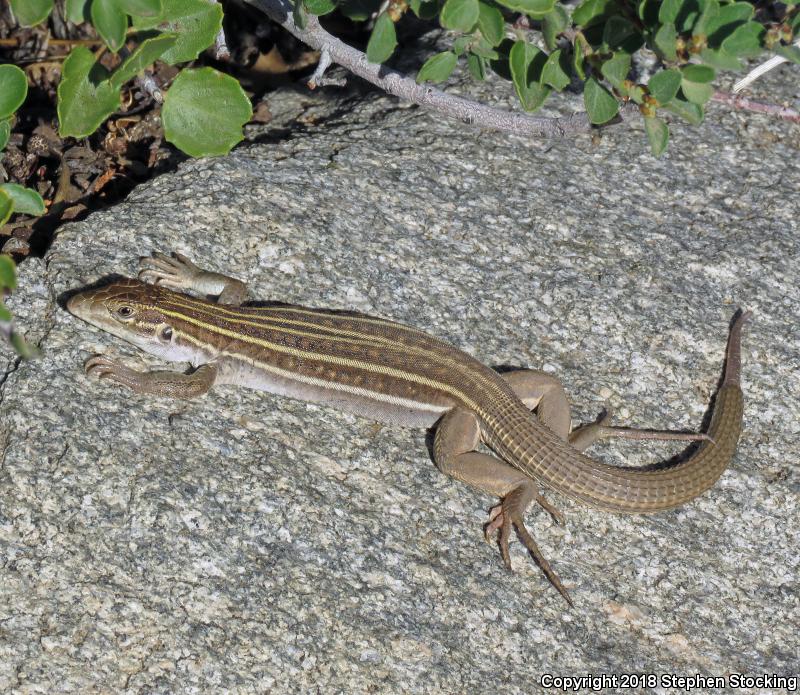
(389, 372)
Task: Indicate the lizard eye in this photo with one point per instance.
(125, 312)
(166, 334)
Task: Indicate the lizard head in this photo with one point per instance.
(132, 310)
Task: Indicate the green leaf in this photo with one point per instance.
(196, 22)
(698, 73)
(657, 134)
(720, 59)
(579, 48)
(461, 44)
(696, 93)
(76, 11)
(299, 14)
(664, 85)
(204, 112)
(616, 70)
(459, 15)
(144, 55)
(110, 22)
(526, 63)
(556, 70)
(8, 272)
(477, 66)
(85, 96)
(665, 41)
(615, 31)
(5, 314)
(423, 10)
(320, 7)
(491, 23)
(533, 8)
(600, 103)
(141, 8)
(693, 113)
(382, 40)
(26, 200)
(706, 18)
(668, 12)
(745, 42)
(553, 23)
(31, 12)
(5, 133)
(13, 89)
(591, 10)
(6, 207)
(791, 53)
(484, 49)
(726, 20)
(437, 68)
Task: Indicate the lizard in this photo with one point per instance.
(394, 373)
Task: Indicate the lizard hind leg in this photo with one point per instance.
(454, 445)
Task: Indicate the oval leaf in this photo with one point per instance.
(657, 134)
(320, 7)
(459, 15)
(556, 70)
(616, 70)
(76, 11)
(553, 23)
(13, 89)
(745, 42)
(196, 22)
(491, 23)
(84, 102)
(600, 103)
(533, 8)
(204, 112)
(437, 68)
(382, 40)
(31, 12)
(589, 11)
(144, 55)
(110, 21)
(524, 60)
(26, 200)
(693, 113)
(141, 8)
(666, 40)
(5, 133)
(8, 272)
(6, 207)
(664, 85)
(696, 93)
(698, 73)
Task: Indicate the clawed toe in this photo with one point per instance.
(509, 513)
(175, 272)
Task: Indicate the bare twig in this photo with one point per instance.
(759, 70)
(737, 102)
(221, 51)
(318, 79)
(400, 85)
(148, 85)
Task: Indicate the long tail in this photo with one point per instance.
(656, 487)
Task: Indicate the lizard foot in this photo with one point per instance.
(177, 273)
(104, 368)
(509, 513)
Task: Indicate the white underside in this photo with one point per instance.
(359, 401)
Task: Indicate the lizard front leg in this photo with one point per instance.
(177, 272)
(158, 383)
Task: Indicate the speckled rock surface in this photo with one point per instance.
(245, 543)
